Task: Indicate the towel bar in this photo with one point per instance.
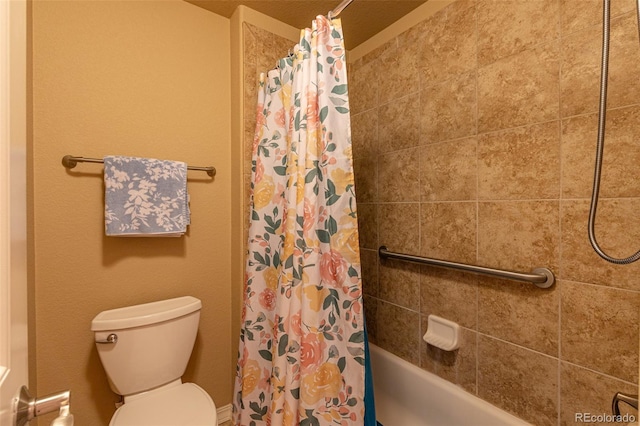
(70, 162)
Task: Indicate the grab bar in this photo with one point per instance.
(632, 400)
(541, 277)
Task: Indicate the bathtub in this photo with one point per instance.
(407, 395)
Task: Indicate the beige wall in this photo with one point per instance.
(474, 140)
(146, 78)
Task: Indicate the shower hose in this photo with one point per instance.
(606, 21)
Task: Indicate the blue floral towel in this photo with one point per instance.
(145, 197)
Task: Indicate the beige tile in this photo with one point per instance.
(583, 391)
(251, 83)
(448, 171)
(620, 174)
(249, 43)
(369, 262)
(519, 89)
(368, 225)
(380, 51)
(370, 305)
(400, 227)
(249, 72)
(508, 27)
(399, 176)
(519, 235)
(413, 35)
(247, 192)
(580, 72)
(599, 329)
(580, 14)
(400, 283)
(449, 294)
(520, 381)
(448, 231)
(578, 156)
(364, 133)
(448, 109)
(581, 57)
(250, 95)
(247, 143)
(270, 49)
(399, 124)
(617, 231)
(365, 174)
(448, 45)
(459, 366)
(460, 5)
(397, 73)
(504, 306)
(363, 90)
(521, 163)
(398, 331)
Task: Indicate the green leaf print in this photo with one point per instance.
(323, 236)
(265, 354)
(340, 89)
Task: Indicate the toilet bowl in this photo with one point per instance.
(144, 350)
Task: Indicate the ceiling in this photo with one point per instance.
(361, 20)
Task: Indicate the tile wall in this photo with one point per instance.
(262, 49)
(474, 139)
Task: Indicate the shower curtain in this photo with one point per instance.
(302, 353)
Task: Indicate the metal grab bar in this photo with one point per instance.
(69, 161)
(632, 400)
(541, 277)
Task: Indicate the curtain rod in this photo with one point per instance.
(70, 162)
(542, 277)
(342, 6)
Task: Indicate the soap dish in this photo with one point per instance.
(442, 333)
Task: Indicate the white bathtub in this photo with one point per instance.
(407, 395)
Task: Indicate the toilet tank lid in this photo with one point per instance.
(147, 313)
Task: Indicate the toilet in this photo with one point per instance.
(144, 350)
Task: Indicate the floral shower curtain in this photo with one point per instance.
(301, 356)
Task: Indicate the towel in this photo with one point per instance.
(145, 197)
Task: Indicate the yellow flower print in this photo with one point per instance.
(288, 417)
(250, 376)
(300, 188)
(314, 146)
(347, 243)
(263, 192)
(285, 94)
(270, 276)
(289, 241)
(324, 383)
(277, 385)
(315, 296)
(348, 151)
(341, 178)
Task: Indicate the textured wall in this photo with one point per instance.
(474, 141)
(142, 78)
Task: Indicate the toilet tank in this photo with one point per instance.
(154, 343)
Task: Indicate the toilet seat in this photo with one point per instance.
(186, 405)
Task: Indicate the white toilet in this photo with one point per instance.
(144, 350)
